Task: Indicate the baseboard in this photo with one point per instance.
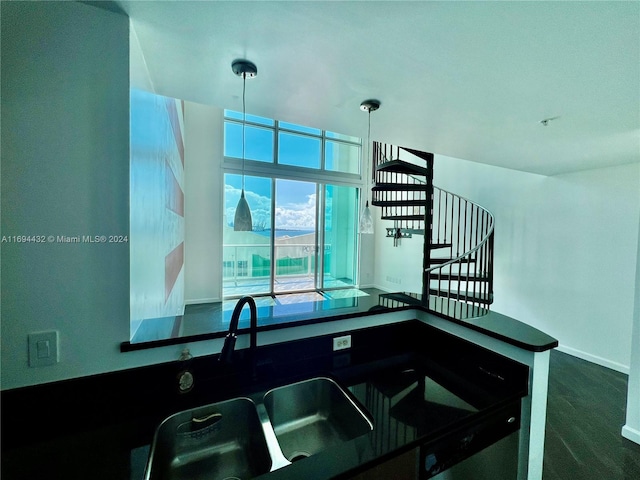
(631, 434)
(198, 301)
(384, 289)
(603, 362)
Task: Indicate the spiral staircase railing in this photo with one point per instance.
(458, 234)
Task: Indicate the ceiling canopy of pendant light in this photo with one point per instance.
(370, 105)
(242, 221)
(365, 224)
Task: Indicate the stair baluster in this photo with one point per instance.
(459, 284)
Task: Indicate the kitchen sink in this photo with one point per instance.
(215, 442)
(245, 437)
(311, 415)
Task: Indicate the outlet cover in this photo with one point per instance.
(43, 348)
(342, 343)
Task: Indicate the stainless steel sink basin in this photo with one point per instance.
(311, 415)
(215, 442)
(246, 437)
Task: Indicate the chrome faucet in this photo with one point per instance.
(226, 354)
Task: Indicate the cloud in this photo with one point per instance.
(292, 216)
(300, 216)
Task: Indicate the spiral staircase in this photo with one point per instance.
(457, 278)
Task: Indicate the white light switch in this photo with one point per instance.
(43, 348)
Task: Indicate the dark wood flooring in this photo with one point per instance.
(585, 414)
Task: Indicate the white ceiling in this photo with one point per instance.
(470, 80)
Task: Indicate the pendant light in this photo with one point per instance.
(242, 221)
(365, 225)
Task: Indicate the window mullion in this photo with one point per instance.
(274, 263)
(272, 275)
(276, 142)
(320, 238)
(322, 150)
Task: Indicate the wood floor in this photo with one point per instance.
(585, 414)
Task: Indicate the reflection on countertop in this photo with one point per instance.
(279, 309)
(211, 320)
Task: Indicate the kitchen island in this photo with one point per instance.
(490, 375)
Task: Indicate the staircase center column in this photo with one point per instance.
(428, 224)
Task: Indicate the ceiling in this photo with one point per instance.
(471, 80)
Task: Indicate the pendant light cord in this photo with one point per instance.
(244, 122)
(368, 159)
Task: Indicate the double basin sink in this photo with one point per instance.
(245, 437)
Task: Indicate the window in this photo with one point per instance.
(298, 150)
(258, 142)
(342, 157)
(302, 185)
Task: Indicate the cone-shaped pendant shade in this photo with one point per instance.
(365, 225)
(242, 221)
(366, 220)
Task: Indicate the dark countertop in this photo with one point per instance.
(409, 409)
(100, 427)
(207, 321)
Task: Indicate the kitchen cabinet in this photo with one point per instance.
(421, 381)
(402, 467)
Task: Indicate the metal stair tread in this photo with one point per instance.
(399, 187)
(402, 217)
(478, 297)
(399, 203)
(401, 297)
(435, 246)
(419, 153)
(400, 166)
(438, 261)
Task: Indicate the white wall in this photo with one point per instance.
(366, 258)
(396, 268)
(586, 228)
(203, 200)
(631, 430)
(565, 251)
(65, 171)
(139, 76)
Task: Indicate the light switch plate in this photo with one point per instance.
(43, 348)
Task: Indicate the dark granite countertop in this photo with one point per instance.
(412, 404)
(101, 427)
(207, 321)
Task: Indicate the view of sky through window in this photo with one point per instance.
(296, 200)
(304, 233)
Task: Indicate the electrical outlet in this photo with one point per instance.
(341, 343)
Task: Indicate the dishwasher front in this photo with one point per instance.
(487, 450)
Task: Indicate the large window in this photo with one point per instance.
(302, 185)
